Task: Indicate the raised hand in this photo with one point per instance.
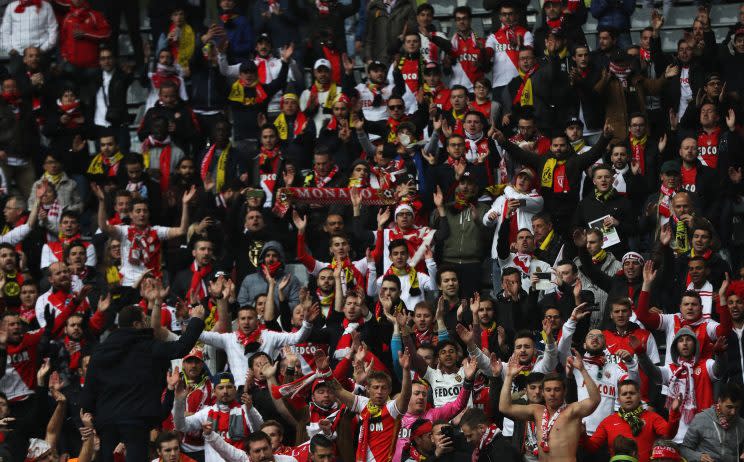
(513, 367)
(580, 312)
(269, 370)
(649, 273)
(438, 197)
(404, 358)
(188, 195)
(608, 130)
(383, 215)
(286, 52)
(470, 368)
(578, 361)
(625, 355)
(181, 391)
(172, 377)
(299, 222)
(496, 365)
(465, 334)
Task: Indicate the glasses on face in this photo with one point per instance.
(457, 145)
(594, 336)
(637, 125)
(551, 317)
(396, 107)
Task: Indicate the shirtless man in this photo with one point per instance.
(558, 424)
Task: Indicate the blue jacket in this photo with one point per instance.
(613, 13)
(241, 37)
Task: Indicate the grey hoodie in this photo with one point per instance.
(255, 284)
(675, 353)
(706, 436)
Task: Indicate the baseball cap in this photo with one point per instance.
(263, 37)
(739, 31)
(574, 121)
(712, 76)
(526, 171)
(196, 353)
(432, 68)
(467, 177)
(223, 377)
(376, 64)
(670, 166)
(322, 62)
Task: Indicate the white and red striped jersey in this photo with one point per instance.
(19, 380)
(466, 50)
(504, 44)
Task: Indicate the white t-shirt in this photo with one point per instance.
(609, 376)
(131, 272)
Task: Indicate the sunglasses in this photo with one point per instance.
(396, 107)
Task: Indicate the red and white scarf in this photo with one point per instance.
(22, 4)
(546, 424)
(144, 249)
(164, 160)
(344, 343)
(488, 436)
(322, 181)
(198, 287)
(523, 261)
(682, 385)
(665, 201)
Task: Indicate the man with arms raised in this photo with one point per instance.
(558, 423)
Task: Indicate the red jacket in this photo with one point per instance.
(613, 426)
(83, 51)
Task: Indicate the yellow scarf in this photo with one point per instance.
(374, 410)
(186, 43)
(410, 272)
(54, 179)
(600, 256)
(96, 165)
(638, 141)
(331, 94)
(546, 179)
(578, 145)
(221, 168)
(113, 277)
(495, 190)
(561, 54)
(546, 241)
(458, 117)
(526, 99)
(681, 239)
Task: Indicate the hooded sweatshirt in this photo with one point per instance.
(703, 376)
(255, 284)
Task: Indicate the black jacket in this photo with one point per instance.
(518, 315)
(555, 100)
(126, 374)
(561, 205)
(116, 113)
(618, 207)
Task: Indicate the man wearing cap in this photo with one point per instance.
(374, 94)
(249, 97)
(296, 131)
(559, 171)
(316, 102)
(503, 46)
(199, 394)
(229, 418)
(529, 203)
(436, 92)
(569, 18)
(731, 57)
(269, 68)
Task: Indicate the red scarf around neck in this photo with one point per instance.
(145, 249)
(198, 288)
(164, 159)
(23, 4)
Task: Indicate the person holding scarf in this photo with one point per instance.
(633, 421)
(688, 375)
(160, 154)
(317, 101)
(437, 94)
(141, 242)
(627, 178)
(222, 162)
(61, 296)
(227, 415)
(521, 200)
(644, 153)
(375, 93)
(387, 130)
(296, 132)
(412, 283)
(325, 172)
(486, 438)
(657, 209)
(605, 373)
(69, 232)
(239, 31)
(560, 172)
(706, 330)
(523, 257)
(716, 433)
(179, 40)
(67, 127)
(608, 204)
(354, 272)
(249, 97)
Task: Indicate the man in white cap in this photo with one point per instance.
(373, 94)
(317, 101)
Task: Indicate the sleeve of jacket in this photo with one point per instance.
(179, 348)
(693, 438)
(52, 28)
(598, 8)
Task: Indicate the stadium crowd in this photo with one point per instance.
(341, 234)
